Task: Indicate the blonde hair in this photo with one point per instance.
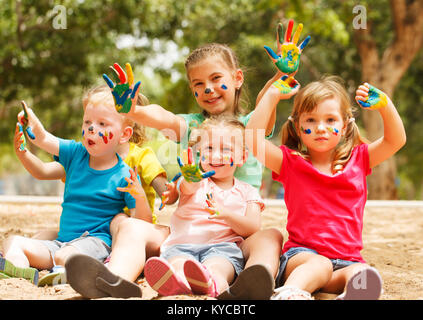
(228, 56)
(103, 94)
(306, 100)
(216, 121)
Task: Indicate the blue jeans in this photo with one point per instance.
(336, 263)
(202, 252)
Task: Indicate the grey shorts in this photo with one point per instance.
(91, 246)
(202, 252)
(336, 263)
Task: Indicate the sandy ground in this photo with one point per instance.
(393, 243)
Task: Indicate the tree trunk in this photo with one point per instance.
(385, 73)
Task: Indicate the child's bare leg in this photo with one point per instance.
(221, 270)
(340, 277)
(48, 234)
(25, 252)
(114, 224)
(308, 271)
(254, 253)
(135, 241)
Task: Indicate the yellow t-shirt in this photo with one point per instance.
(148, 167)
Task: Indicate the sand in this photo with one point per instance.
(393, 243)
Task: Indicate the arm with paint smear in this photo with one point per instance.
(35, 166)
(153, 115)
(265, 151)
(394, 136)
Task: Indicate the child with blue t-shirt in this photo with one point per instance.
(98, 186)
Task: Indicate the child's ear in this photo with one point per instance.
(126, 134)
(239, 78)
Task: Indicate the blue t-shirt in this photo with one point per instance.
(90, 199)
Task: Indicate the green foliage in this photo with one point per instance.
(51, 68)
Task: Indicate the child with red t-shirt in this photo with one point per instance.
(323, 163)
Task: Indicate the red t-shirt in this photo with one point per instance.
(325, 213)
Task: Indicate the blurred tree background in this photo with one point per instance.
(50, 68)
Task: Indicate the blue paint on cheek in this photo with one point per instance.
(196, 94)
(83, 133)
(224, 87)
(100, 134)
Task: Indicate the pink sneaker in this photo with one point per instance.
(161, 277)
(199, 278)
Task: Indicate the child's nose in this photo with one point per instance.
(321, 127)
(91, 129)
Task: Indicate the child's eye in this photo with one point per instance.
(87, 122)
(215, 78)
(331, 120)
(310, 120)
(197, 84)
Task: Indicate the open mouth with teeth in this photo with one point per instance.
(212, 100)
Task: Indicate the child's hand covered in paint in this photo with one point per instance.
(170, 192)
(29, 120)
(213, 208)
(134, 187)
(287, 59)
(124, 92)
(19, 139)
(24, 122)
(371, 98)
(190, 170)
(286, 86)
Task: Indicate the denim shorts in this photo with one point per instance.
(336, 263)
(91, 246)
(202, 252)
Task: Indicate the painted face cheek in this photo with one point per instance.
(334, 130)
(224, 87)
(196, 94)
(306, 131)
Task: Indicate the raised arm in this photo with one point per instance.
(125, 95)
(394, 137)
(265, 151)
(155, 116)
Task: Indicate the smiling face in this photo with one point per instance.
(222, 150)
(214, 85)
(321, 129)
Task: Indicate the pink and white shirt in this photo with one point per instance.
(190, 223)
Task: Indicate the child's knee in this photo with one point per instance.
(14, 241)
(323, 264)
(63, 254)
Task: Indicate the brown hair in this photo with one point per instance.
(306, 101)
(215, 121)
(102, 93)
(229, 57)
